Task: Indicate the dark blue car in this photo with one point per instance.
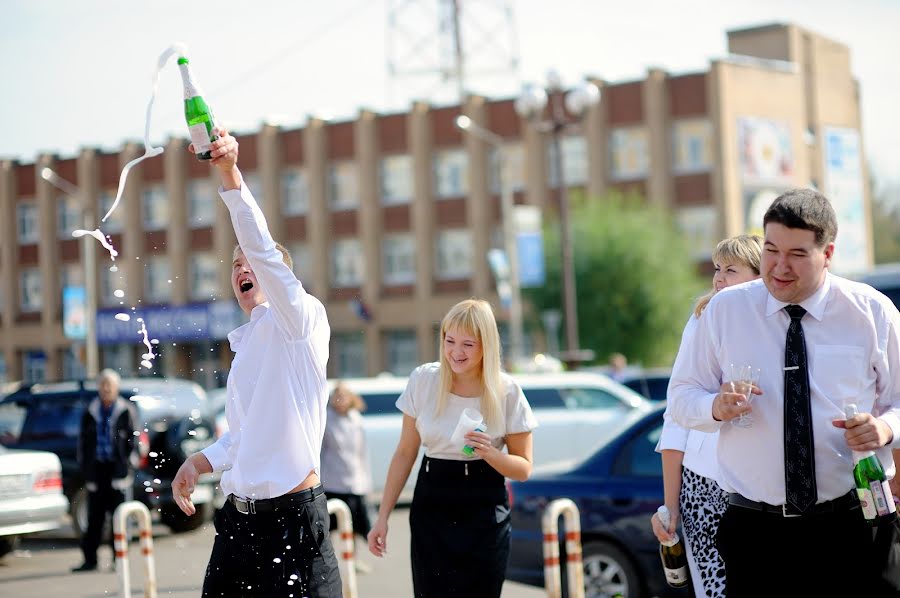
(616, 490)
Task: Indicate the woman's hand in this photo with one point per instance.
(481, 442)
(662, 533)
(378, 538)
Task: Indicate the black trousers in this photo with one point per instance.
(273, 554)
(832, 554)
(460, 527)
(359, 512)
(103, 501)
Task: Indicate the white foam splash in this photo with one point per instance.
(100, 237)
(119, 293)
(143, 331)
(123, 317)
(149, 150)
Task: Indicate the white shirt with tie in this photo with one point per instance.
(852, 335)
(276, 394)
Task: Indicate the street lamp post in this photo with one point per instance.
(516, 329)
(530, 105)
(89, 257)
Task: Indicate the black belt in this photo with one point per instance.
(267, 505)
(846, 502)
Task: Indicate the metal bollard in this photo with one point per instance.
(550, 525)
(120, 540)
(340, 509)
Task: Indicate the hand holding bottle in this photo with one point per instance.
(663, 532)
(864, 432)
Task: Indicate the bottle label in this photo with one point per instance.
(884, 501)
(469, 451)
(868, 506)
(676, 577)
(200, 138)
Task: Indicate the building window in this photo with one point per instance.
(73, 368)
(451, 173)
(119, 358)
(30, 289)
(691, 141)
(399, 259)
(155, 206)
(204, 276)
(454, 254)
(628, 151)
(396, 179)
(157, 279)
(294, 193)
(68, 217)
(254, 184)
(515, 156)
(34, 366)
(302, 258)
(3, 368)
(343, 190)
(574, 161)
(201, 203)
(27, 222)
(346, 263)
(699, 225)
(113, 224)
(109, 283)
(400, 351)
(349, 353)
(71, 275)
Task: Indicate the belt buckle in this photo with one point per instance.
(784, 512)
(249, 506)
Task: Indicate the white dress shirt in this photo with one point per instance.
(699, 448)
(345, 459)
(419, 400)
(852, 336)
(276, 394)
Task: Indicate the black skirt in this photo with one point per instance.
(459, 522)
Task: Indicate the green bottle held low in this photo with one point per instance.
(672, 555)
(197, 112)
(875, 496)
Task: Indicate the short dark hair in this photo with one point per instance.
(806, 209)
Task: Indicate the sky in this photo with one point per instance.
(80, 74)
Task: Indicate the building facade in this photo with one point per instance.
(389, 216)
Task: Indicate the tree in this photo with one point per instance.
(885, 208)
(635, 278)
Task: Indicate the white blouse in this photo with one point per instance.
(419, 400)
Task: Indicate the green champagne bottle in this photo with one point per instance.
(197, 112)
(875, 496)
(672, 555)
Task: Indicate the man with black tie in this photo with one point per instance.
(819, 341)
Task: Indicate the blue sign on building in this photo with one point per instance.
(194, 322)
(531, 259)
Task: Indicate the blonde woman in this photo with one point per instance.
(689, 458)
(459, 519)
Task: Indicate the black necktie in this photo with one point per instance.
(799, 459)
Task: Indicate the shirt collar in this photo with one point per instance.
(814, 304)
(235, 336)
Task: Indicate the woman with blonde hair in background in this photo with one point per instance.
(690, 465)
(345, 470)
(459, 519)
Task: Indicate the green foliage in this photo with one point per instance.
(635, 278)
(885, 207)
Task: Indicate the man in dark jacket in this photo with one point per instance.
(106, 449)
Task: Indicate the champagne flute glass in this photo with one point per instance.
(743, 379)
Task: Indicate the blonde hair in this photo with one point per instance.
(285, 254)
(355, 401)
(742, 249)
(475, 317)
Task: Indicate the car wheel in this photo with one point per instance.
(8, 544)
(78, 509)
(179, 523)
(609, 571)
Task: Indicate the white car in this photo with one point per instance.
(31, 495)
(576, 412)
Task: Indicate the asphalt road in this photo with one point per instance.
(41, 567)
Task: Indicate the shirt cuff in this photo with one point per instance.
(673, 438)
(217, 456)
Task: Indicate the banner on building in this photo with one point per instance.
(74, 312)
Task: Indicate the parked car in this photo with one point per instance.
(651, 383)
(174, 424)
(31, 495)
(576, 411)
(616, 489)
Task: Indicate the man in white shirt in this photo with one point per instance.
(272, 534)
(819, 341)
